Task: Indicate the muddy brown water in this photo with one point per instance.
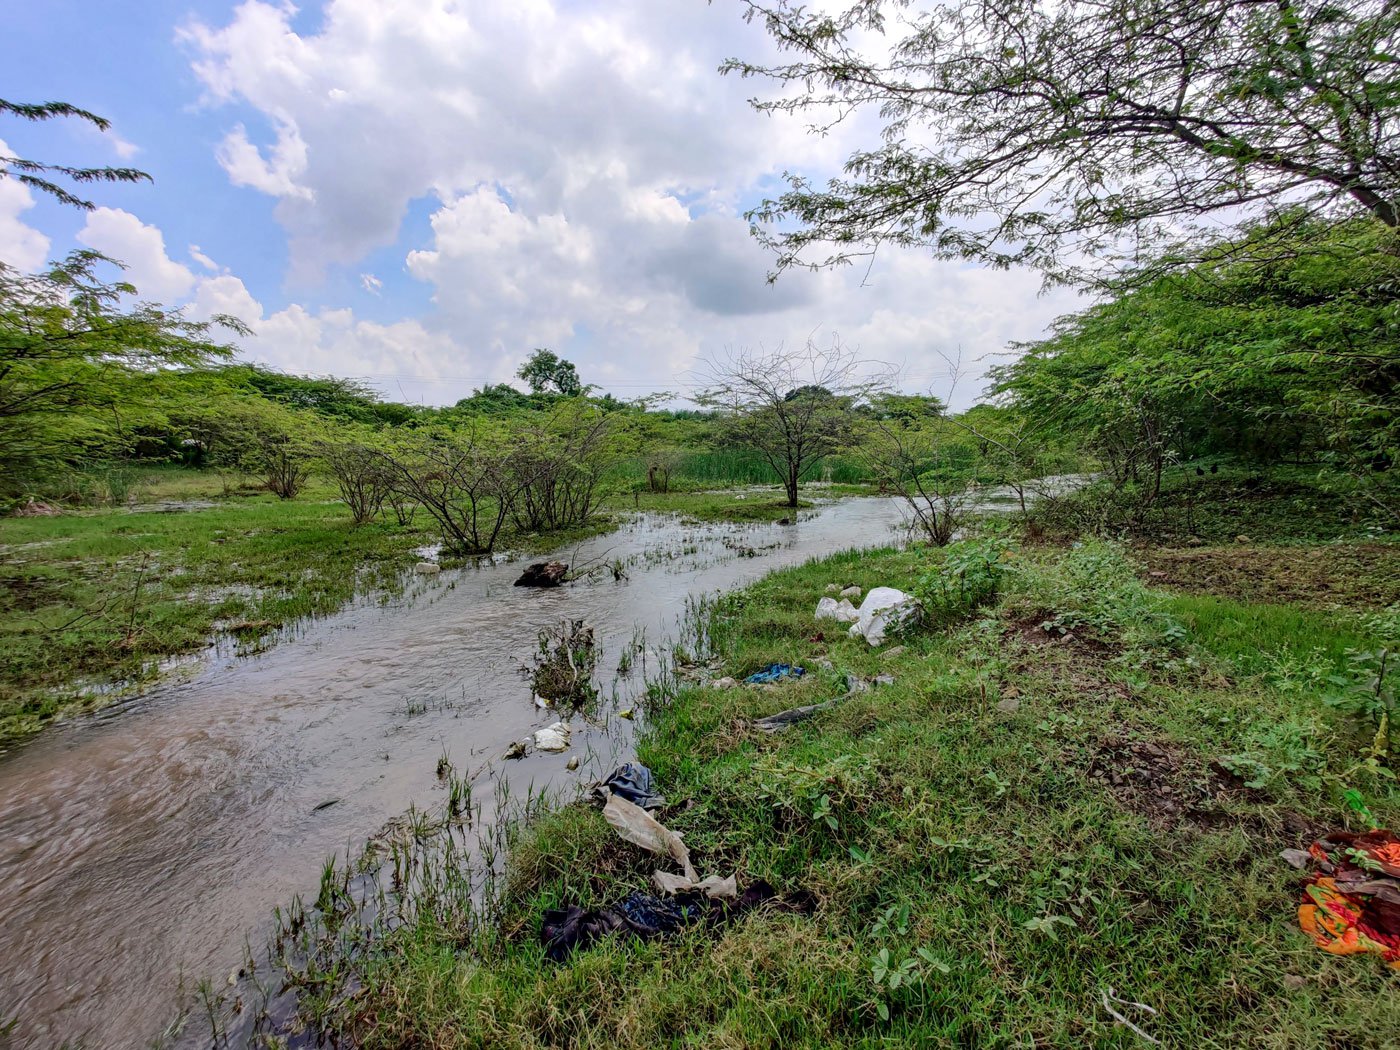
(142, 848)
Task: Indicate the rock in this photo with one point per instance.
(1293, 982)
(883, 679)
(553, 738)
(890, 654)
(1242, 539)
(724, 683)
(572, 764)
(1009, 706)
(427, 568)
(1195, 541)
(543, 574)
(851, 592)
(516, 749)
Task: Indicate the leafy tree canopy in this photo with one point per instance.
(70, 350)
(40, 176)
(1062, 135)
(548, 373)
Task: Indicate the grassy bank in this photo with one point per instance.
(1083, 786)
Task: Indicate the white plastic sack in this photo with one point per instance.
(553, 738)
(842, 611)
(713, 886)
(635, 825)
(884, 608)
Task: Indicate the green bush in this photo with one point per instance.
(968, 577)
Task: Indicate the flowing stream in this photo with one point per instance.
(141, 848)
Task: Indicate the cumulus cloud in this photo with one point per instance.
(588, 170)
(121, 236)
(21, 246)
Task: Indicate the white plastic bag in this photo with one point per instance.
(553, 738)
(884, 608)
(842, 611)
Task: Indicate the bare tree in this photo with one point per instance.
(792, 407)
(911, 462)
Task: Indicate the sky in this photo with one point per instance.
(417, 193)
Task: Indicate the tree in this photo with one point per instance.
(39, 176)
(792, 407)
(70, 349)
(1059, 134)
(548, 373)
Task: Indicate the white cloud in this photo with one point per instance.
(275, 174)
(121, 147)
(203, 260)
(21, 246)
(371, 283)
(122, 236)
(590, 169)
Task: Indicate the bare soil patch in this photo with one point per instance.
(1360, 576)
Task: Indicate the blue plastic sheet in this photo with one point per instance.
(775, 673)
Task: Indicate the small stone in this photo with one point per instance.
(883, 679)
(890, 654)
(1293, 982)
(851, 592)
(724, 683)
(572, 764)
(516, 749)
(1242, 539)
(1009, 706)
(427, 568)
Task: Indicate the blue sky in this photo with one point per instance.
(417, 192)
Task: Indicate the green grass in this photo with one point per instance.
(992, 849)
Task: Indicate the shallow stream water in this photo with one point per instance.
(142, 848)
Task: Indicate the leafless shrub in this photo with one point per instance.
(558, 467)
(909, 464)
(285, 463)
(661, 464)
(467, 485)
(361, 475)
